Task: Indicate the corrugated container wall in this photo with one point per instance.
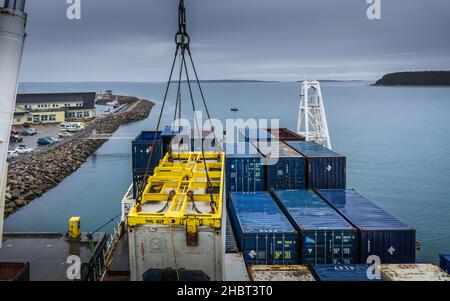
(244, 171)
(324, 235)
(286, 169)
(263, 233)
(444, 262)
(412, 272)
(379, 233)
(331, 272)
(140, 154)
(325, 168)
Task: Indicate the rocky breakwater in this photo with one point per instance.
(33, 175)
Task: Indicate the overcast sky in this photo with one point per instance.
(133, 40)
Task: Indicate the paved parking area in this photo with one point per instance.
(42, 131)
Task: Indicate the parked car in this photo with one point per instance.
(52, 139)
(71, 126)
(44, 141)
(23, 149)
(65, 134)
(29, 132)
(12, 154)
(15, 138)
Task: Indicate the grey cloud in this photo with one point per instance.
(132, 40)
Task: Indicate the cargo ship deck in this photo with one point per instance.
(47, 253)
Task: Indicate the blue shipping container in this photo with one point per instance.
(444, 262)
(379, 233)
(325, 168)
(140, 154)
(263, 233)
(324, 235)
(331, 272)
(244, 171)
(285, 169)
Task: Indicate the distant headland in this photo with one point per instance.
(418, 78)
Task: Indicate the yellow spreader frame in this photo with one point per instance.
(179, 179)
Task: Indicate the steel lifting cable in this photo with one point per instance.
(142, 185)
(182, 41)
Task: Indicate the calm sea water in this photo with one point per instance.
(397, 140)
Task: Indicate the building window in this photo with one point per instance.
(71, 115)
(44, 118)
(79, 115)
(29, 119)
(52, 117)
(86, 114)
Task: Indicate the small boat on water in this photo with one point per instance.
(234, 109)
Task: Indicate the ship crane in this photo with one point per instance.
(312, 122)
(12, 35)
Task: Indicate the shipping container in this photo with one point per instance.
(263, 233)
(256, 134)
(235, 268)
(280, 273)
(12, 271)
(285, 168)
(244, 171)
(332, 272)
(444, 262)
(324, 235)
(152, 246)
(230, 241)
(325, 168)
(141, 148)
(379, 233)
(189, 139)
(180, 223)
(284, 134)
(413, 272)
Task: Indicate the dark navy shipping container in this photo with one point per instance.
(286, 169)
(444, 262)
(324, 235)
(140, 153)
(379, 233)
(263, 233)
(244, 171)
(331, 272)
(325, 168)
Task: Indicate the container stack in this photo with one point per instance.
(299, 211)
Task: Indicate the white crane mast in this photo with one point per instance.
(312, 122)
(12, 35)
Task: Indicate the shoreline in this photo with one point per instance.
(33, 175)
